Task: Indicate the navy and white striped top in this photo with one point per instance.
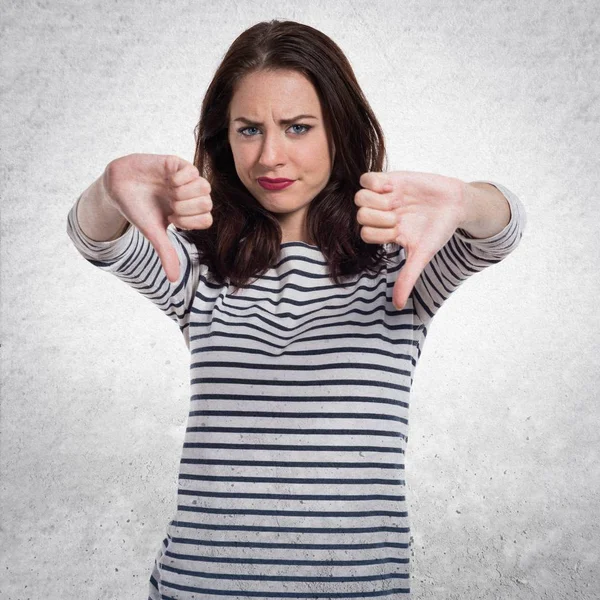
(291, 481)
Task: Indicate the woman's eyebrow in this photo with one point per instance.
(281, 122)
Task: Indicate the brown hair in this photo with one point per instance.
(244, 238)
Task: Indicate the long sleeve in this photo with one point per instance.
(462, 256)
(133, 259)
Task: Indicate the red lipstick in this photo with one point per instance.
(274, 184)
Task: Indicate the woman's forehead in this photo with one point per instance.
(274, 95)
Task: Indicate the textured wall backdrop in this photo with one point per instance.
(502, 466)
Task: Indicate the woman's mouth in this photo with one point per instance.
(274, 184)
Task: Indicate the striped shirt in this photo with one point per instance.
(291, 480)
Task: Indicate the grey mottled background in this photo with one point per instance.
(503, 458)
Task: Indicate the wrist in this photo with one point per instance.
(101, 190)
(468, 206)
(486, 211)
(98, 215)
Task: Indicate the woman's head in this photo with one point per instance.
(277, 70)
(277, 131)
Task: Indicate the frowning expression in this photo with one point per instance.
(276, 130)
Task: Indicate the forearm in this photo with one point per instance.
(486, 211)
(97, 217)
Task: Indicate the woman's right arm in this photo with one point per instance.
(129, 247)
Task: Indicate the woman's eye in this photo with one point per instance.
(246, 129)
(306, 128)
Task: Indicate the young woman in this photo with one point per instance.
(305, 307)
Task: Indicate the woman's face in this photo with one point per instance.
(264, 146)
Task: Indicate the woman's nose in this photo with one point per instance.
(273, 150)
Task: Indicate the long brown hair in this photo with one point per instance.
(244, 239)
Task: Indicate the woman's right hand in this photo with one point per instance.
(153, 190)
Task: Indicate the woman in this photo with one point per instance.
(305, 308)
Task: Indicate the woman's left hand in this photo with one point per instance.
(418, 211)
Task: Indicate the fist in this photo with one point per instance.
(153, 190)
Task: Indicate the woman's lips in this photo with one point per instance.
(274, 185)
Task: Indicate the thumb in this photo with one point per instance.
(407, 278)
(166, 252)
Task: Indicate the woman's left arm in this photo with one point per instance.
(445, 230)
